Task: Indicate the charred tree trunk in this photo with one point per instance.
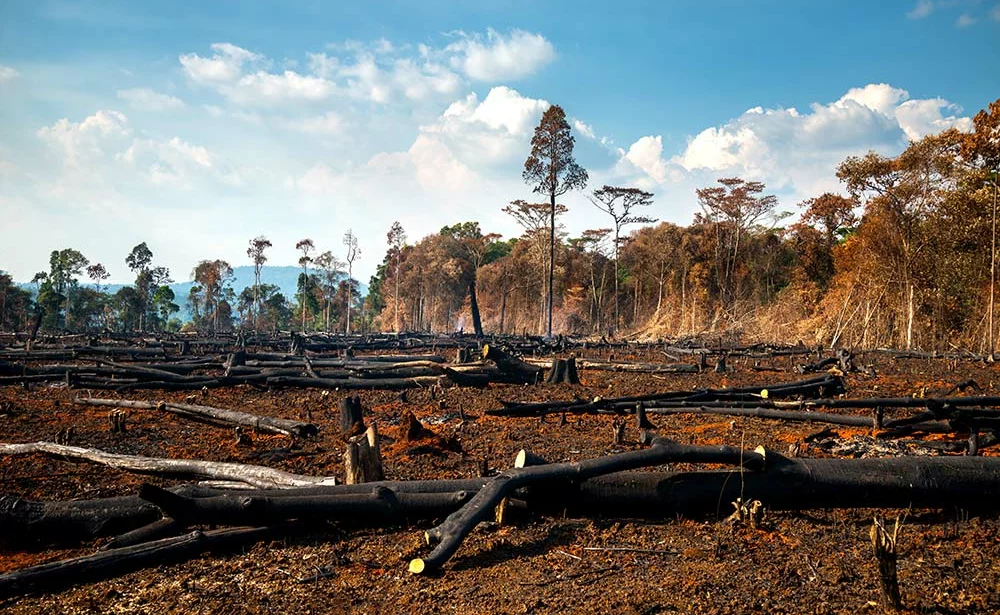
(351, 419)
(477, 322)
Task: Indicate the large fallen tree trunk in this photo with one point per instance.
(392, 384)
(777, 481)
(512, 367)
(66, 573)
(208, 414)
(812, 387)
(254, 476)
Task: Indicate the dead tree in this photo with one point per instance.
(255, 476)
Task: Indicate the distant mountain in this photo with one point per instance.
(285, 278)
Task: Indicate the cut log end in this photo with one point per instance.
(417, 566)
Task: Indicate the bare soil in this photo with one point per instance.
(809, 562)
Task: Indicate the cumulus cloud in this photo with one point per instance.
(965, 20)
(103, 149)
(496, 57)
(488, 131)
(793, 152)
(7, 73)
(150, 100)
(95, 136)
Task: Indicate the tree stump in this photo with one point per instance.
(563, 371)
(884, 547)
(363, 458)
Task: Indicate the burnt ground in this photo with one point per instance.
(816, 561)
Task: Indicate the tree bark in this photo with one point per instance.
(259, 477)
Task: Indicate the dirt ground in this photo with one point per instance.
(804, 562)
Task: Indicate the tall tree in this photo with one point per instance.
(258, 245)
(147, 278)
(619, 203)
(98, 273)
(733, 209)
(534, 219)
(552, 170)
(305, 246)
(472, 250)
(353, 253)
(332, 268)
(396, 237)
(64, 267)
(212, 288)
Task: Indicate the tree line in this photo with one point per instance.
(904, 257)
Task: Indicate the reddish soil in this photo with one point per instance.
(808, 562)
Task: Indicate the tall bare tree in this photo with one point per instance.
(618, 203)
(306, 246)
(353, 253)
(256, 253)
(552, 170)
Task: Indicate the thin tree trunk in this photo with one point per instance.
(552, 254)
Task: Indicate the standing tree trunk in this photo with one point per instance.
(477, 322)
(552, 253)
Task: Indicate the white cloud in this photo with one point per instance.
(794, 153)
(149, 100)
(95, 136)
(103, 153)
(491, 131)
(7, 73)
(995, 13)
(584, 129)
(919, 118)
(647, 154)
(499, 57)
(225, 65)
(922, 9)
(965, 20)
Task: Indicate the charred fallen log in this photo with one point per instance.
(66, 573)
(512, 367)
(776, 481)
(822, 385)
(216, 416)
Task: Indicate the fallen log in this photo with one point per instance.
(217, 416)
(778, 482)
(58, 575)
(511, 366)
(259, 477)
(391, 384)
(827, 385)
(623, 366)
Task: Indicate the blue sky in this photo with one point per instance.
(195, 126)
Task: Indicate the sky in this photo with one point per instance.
(196, 126)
